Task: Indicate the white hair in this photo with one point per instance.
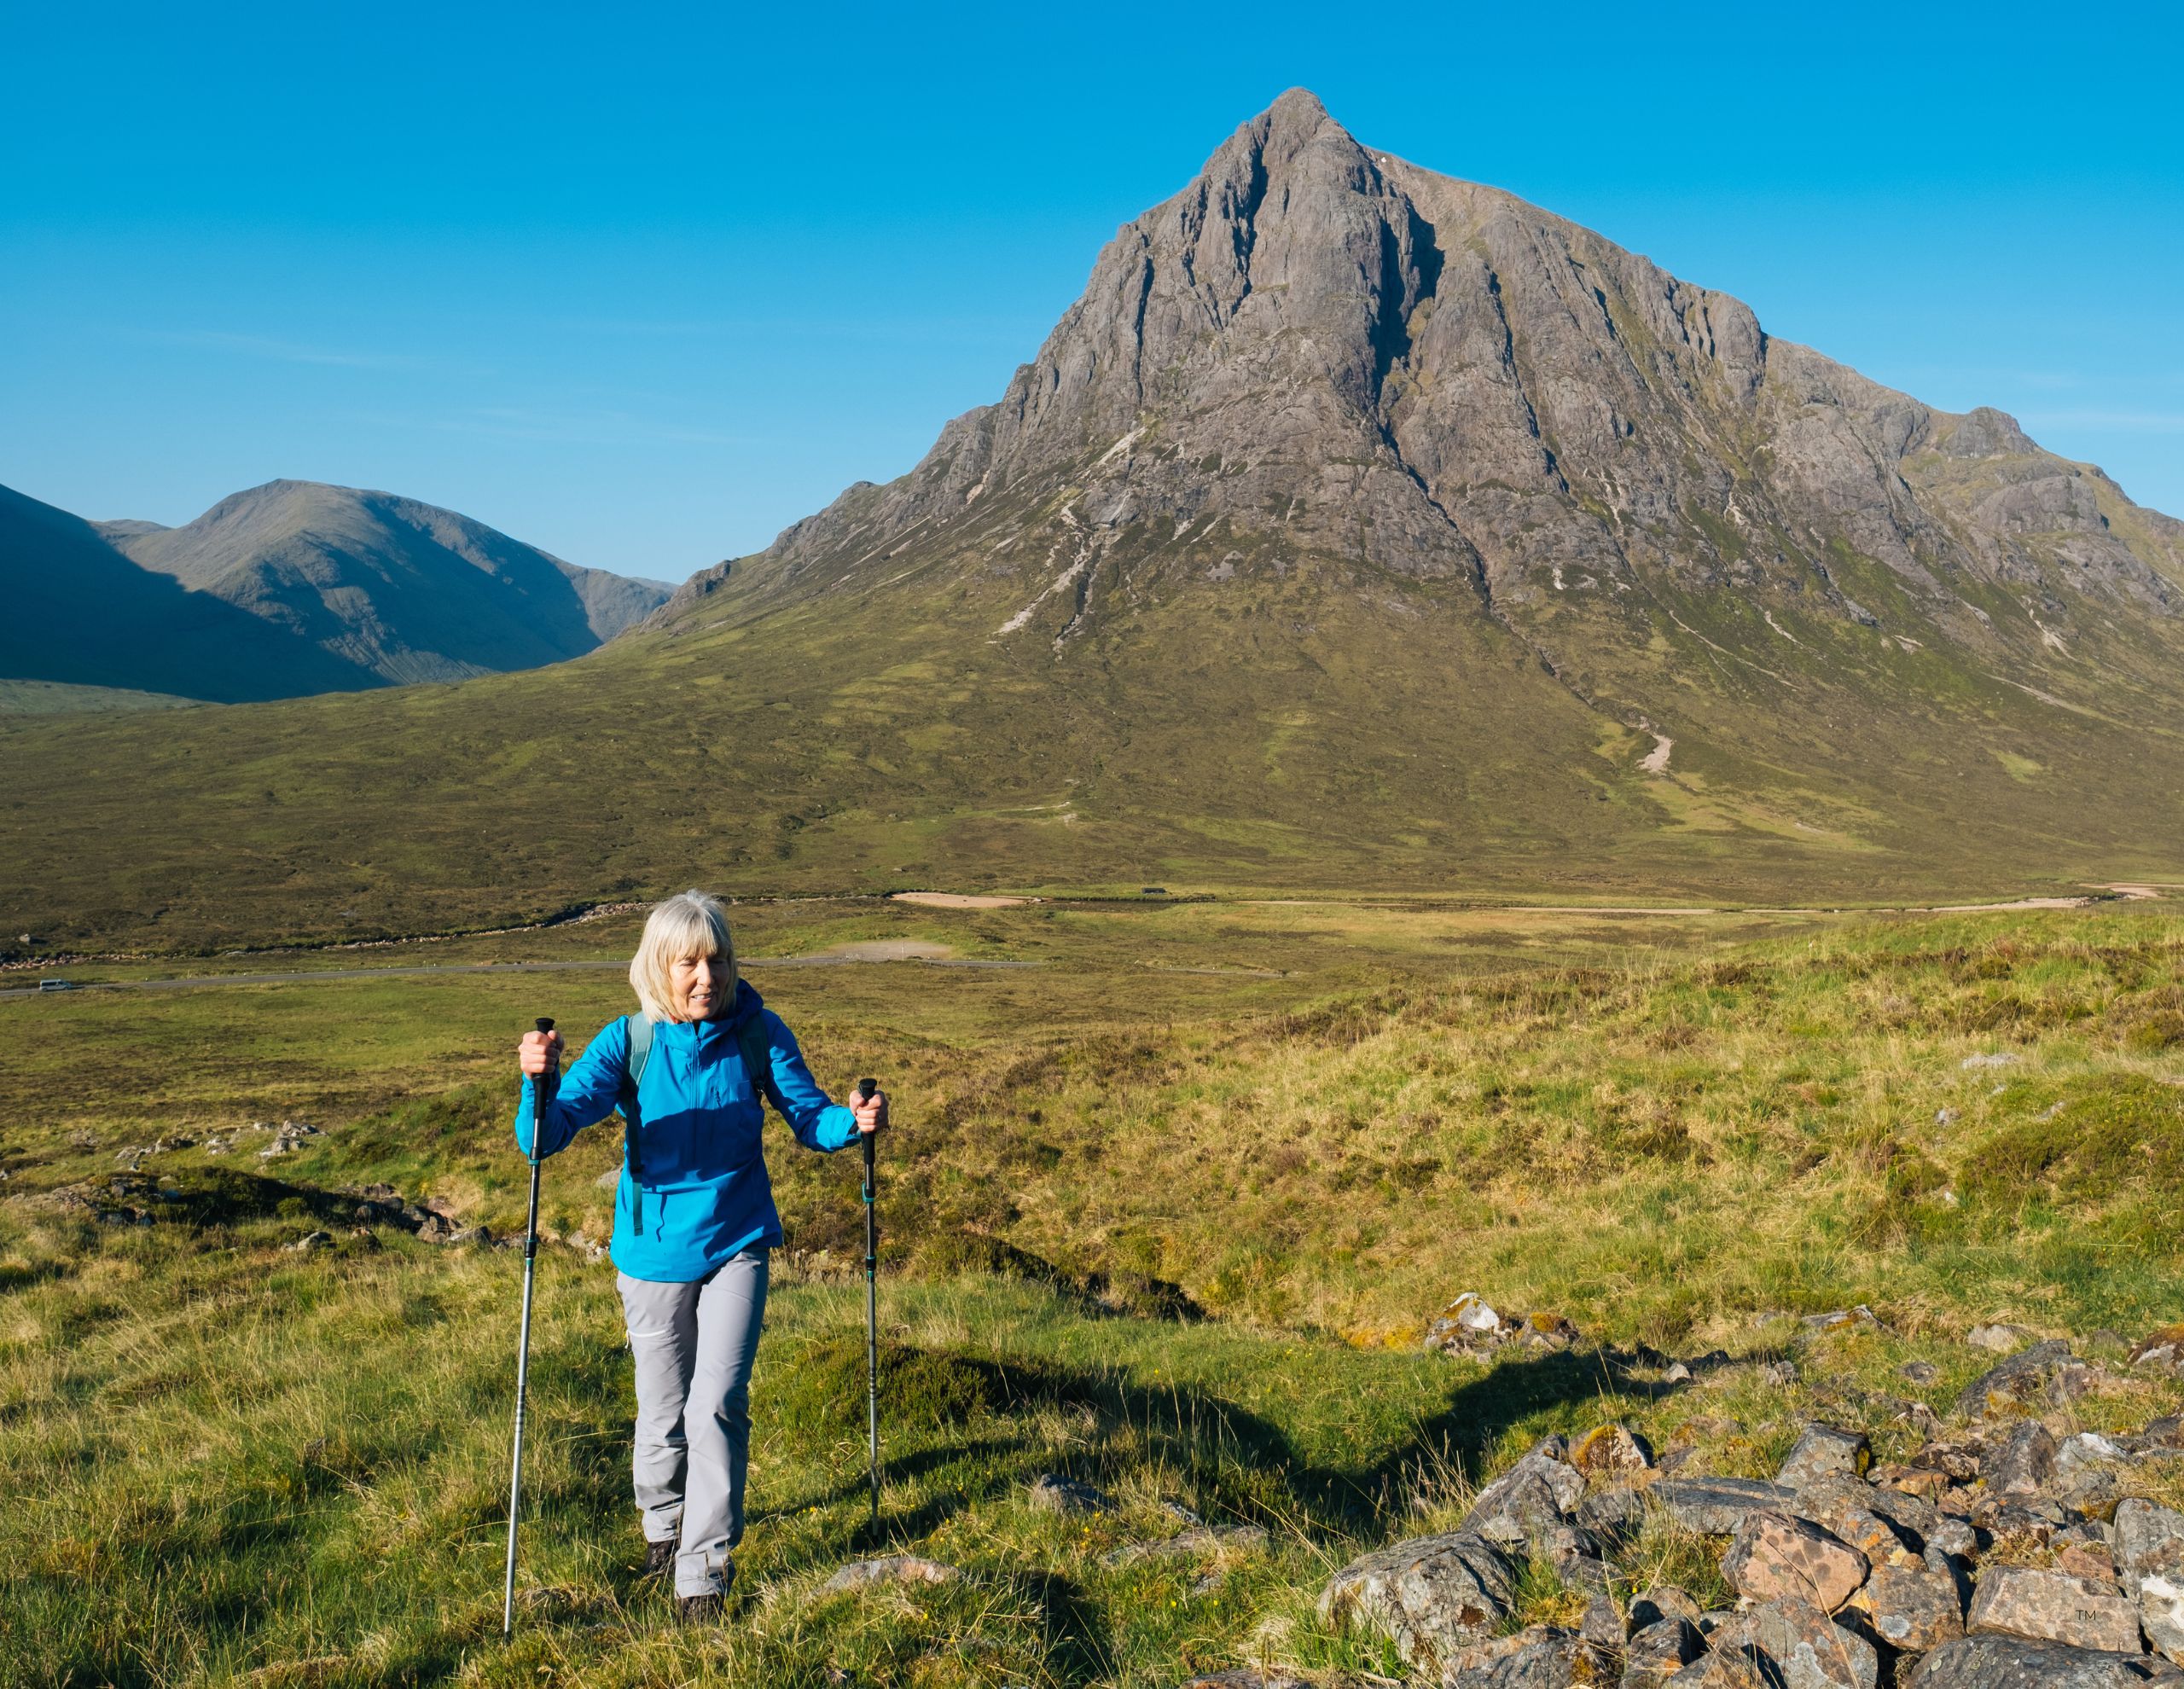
(689, 924)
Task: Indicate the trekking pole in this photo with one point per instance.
(523, 1342)
(865, 1088)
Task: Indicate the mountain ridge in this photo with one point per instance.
(333, 588)
(407, 590)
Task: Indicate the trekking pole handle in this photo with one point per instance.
(544, 1023)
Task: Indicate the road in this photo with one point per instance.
(334, 976)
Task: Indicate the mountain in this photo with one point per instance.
(80, 612)
(404, 590)
(1320, 349)
(1357, 527)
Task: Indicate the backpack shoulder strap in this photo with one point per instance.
(757, 1060)
(633, 1067)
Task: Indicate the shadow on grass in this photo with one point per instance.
(1241, 1463)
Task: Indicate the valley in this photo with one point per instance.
(1172, 1214)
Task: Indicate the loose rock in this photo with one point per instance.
(1716, 1506)
(2023, 1463)
(1825, 1451)
(2016, 1663)
(1611, 1451)
(1229, 1539)
(2054, 1607)
(2161, 1351)
(1658, 1651)
(1058, 1495)
(1431, 1595)
(1649, 1605)
(888, 1568)
(2018, 1380)
(1793, 1644)
(1776, 1555)
(1913, 1610)
(1545, 1657)
(1530, 1498)
(2150, 1565)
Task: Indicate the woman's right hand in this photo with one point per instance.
(540, 1053)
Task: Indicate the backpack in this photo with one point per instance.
(750, 1042)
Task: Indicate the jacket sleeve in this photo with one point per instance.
(819, 1123)
(587, 1093)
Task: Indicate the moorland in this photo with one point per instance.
(1171, 1212)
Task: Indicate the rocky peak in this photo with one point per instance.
(1319, 351)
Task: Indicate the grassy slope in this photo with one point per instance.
(1317, 726)
(245, 1460)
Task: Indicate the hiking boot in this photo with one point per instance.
(660, 1557)
(699, 1609)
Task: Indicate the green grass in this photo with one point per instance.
(1173, 1234)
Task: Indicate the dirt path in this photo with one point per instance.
(958, 900)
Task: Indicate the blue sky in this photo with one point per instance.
(642, 286)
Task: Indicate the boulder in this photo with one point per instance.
(1058, 1495)
(1998, 1338)
(2149, 1539)
(1716, 1506)
(1659, 1651)
(1431, 1595)
(1913, 1609)
(2019, 1662)
(1790, 1643)
(1777, 1555)
(2019, 1379)
(888, 1568)
(2150, 1565)
(1825, 1451)
(2022, 1463)
(1532, 1497)
(2054, 1607)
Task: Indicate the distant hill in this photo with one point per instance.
(74, 610)
(1357, 527)
(403, 590)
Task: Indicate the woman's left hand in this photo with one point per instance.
(871, 1111)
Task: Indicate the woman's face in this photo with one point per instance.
(700, 986)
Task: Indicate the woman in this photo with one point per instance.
(693, 1215)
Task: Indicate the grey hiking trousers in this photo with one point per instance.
(694, 1345)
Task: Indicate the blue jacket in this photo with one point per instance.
(705, 1195)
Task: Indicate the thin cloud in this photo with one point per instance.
(284, 351)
